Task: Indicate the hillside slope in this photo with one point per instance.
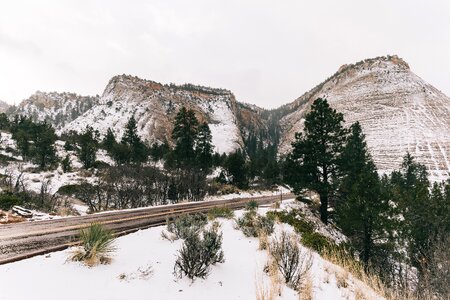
(155, 106)
(143, 264)
(398, 111)
(55, 108)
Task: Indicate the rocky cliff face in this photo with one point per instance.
(155, 106)
(55, 108)
(398, 111)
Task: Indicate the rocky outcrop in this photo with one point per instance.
(55, 108)
(155, 106)
(398, 111)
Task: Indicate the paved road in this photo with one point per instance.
(23, 240)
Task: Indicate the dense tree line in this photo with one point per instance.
(395, 223)
(35, 141)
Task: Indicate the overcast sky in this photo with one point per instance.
(267, 52)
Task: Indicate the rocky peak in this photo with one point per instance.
(398, 111)
(155, 105)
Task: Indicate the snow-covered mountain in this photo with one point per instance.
(398, 111)
(56, 108)
(155, 106)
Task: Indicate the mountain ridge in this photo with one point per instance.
(399, 113)
(398, 110)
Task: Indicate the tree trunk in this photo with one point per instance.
(324, 208)
(367, 252)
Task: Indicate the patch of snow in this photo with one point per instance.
(142, 268)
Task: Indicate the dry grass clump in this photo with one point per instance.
(273, 289)
(342, 279)
(356, 268)
(96, 245)
(263, 240)
(275, 205)
(263, 291)
(306, 290)
(166, 235)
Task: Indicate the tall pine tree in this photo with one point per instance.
(204, 148)
(361, 211)
(138, 150)
(314, 161)
(185, 134)
(237, 168)
(109, 141)
(44, 144)
(88, 142)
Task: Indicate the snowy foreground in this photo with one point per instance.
(142, 268)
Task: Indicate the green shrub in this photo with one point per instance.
(217, 188)
(8, 200)
(316, 241)
(96, 245)
(69, 189)
(309, 238)
(66, 164)
(197, 254)
(251, 205)
(252, 224)
(294, 218)
(98, 164)
(186, 225)
(4, 159)
(220, 212)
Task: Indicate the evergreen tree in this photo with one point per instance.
(121, 153)
(158, 152)
(66, 164)
(362, 212)
(271, 172)
(172, 193)
(204, 148)
(22, 139)
(44, 144)
(185, 133)
(314, 161)
(237, 168)
(34, 140)
(419, 210)
(88, 142)
(21, 129)
(109, 141)
(138, 150)
(4, 122)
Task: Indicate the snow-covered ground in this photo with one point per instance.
(142, 268)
